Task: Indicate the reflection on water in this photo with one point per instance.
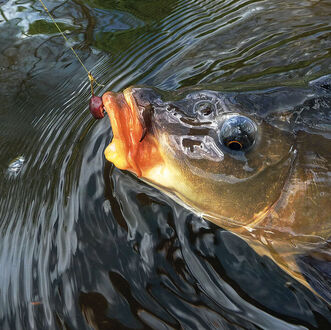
(85, 244)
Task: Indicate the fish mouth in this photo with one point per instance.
(132, 148)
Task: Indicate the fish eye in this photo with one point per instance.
(238, 133)
(204, 108)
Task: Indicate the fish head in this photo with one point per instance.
(203, 149)
(237, 159)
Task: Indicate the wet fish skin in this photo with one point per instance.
(274, 192)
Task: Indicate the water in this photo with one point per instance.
(84, 244)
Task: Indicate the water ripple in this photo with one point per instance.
(73, 229)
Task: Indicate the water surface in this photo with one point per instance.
(84, 244)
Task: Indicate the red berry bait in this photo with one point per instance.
(96, 107)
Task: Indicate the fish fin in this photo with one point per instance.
(288, 263)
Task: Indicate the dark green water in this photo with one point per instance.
(83, 244)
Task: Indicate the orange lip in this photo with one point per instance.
(125, 150)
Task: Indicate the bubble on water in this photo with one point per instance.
(16, 165)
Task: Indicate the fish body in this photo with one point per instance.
(257, 163)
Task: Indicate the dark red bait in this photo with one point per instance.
(96, 107)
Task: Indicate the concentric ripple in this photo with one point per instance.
(85, 245)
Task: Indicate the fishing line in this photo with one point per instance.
(89, 74)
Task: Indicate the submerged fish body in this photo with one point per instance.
(257, 163)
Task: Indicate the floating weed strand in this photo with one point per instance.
(89, 74)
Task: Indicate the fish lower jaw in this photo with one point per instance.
(114, 154)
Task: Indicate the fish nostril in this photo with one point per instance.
(238, 133)
(204, 108)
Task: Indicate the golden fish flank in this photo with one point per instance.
(231, 157)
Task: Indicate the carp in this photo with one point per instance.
(255, 162)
